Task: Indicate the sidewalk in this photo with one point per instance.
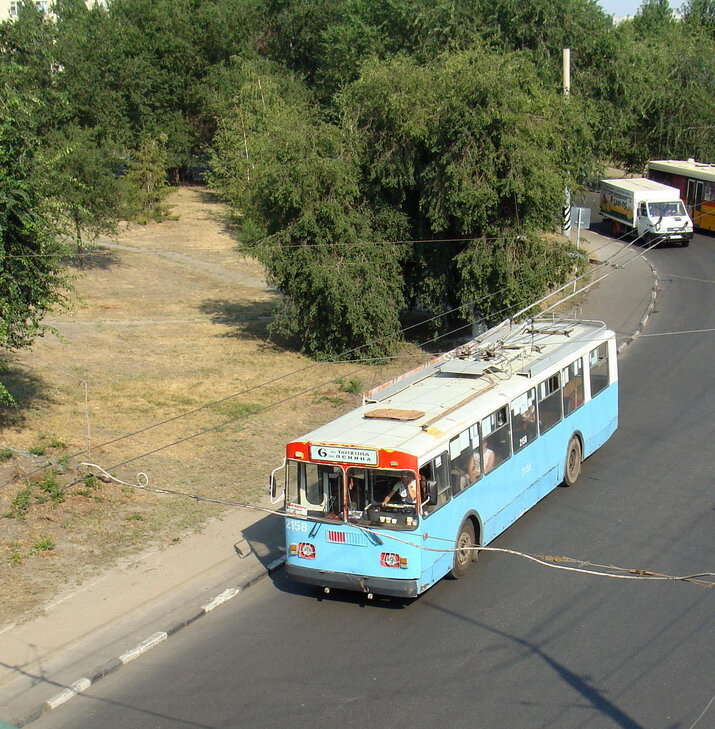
(625, 299)
(94, 630)
(90, 632)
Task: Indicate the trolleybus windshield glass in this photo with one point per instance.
(314, 489)
(382, 498)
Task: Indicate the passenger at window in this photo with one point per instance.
(460, 480)
(489, 458)
(573, 394)
(474, 467)
(523, 425)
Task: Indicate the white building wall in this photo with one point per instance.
(8, 8)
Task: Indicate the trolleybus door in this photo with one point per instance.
(694, 199)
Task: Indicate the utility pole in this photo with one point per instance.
(566, 217)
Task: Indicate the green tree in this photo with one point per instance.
(666, 102)
(146, 184)
(467, 147)
(93, 69)
(294, 180)
(32, 280)
(520, 267)
(654, 17)
(700, 15)
(29, 65)
(84, 191)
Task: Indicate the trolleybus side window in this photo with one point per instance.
(549, 402)
(523, 420)
(573, 386)
(460, 453)
(496, 439)
(437, 470)
(474, 464)
(598, 365)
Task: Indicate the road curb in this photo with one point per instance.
(158, 637)
(649, 309)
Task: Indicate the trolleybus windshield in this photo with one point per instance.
(364, 496)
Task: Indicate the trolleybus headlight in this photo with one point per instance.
(390, 559)
(303, 549)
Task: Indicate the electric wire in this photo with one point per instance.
(702, 713)
(688, 278)
(259, 245)
(672, 334)
(558, 562)
(608, 262)
(311, 365)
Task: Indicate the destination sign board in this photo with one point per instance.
(363, 456)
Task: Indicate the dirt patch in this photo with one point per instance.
(164, 367)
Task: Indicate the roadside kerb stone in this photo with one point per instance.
(152, 641)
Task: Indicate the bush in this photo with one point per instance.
(50, 486)
(20, 504)
(44, 544)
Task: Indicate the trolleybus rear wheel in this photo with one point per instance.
(465, 550)
(573, 462)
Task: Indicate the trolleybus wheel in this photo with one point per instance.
(465, 552)
(685, 243)
(573, 462)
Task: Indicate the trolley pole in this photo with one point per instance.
(566, 217)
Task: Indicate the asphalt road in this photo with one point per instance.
(512, 644)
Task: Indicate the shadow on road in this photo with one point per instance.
(578, 683)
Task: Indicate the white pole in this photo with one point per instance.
(567, 71)
(566, 218)
(578, 238)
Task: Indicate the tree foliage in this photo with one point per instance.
(336, 128)
(32, 280)
(83, 191)
(295, 179)
(146, 186)
(700, 15)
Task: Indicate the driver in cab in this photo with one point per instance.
(406, 487)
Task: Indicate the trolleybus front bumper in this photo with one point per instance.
(358, 583)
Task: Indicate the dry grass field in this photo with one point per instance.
(163, 366)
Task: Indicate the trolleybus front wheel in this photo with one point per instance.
(465, 551)
(573, 462)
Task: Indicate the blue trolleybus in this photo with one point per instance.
(391, 497)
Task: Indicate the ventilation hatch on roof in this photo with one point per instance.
(394, 414)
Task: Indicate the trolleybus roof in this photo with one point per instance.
(439, 399)
(687, 168)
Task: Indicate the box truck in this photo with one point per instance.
(647, 209)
